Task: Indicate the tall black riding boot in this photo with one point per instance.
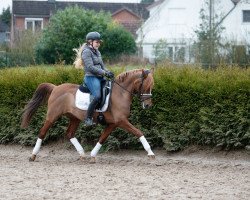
(90, 112)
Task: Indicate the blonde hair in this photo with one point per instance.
(78, 63)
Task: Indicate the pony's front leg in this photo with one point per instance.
(102, 139)
(147, 147)
(130, 128)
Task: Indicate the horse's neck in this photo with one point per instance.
(128, 84)
(123, 90)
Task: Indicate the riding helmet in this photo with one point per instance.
(93, 36)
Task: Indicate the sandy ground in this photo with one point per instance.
(57, 173)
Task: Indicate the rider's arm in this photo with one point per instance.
(89, 65)
(101, 62)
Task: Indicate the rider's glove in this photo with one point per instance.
(109, 75)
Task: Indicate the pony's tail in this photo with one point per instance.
(78, 60)
(40, 97)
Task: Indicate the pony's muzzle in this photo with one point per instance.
(146, 100)
(146, 105)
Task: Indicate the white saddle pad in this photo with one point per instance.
(82, 101)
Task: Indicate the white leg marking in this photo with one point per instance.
(96, 149)
(77, 145)
(146, 145)
(37, 146)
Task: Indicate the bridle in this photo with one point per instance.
(141, 96)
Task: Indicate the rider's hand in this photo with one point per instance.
(109, 75)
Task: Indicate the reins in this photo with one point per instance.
(133, 94)
(139, 93)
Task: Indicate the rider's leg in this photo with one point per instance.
(94, 85)
(90, 112)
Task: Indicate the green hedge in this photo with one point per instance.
(191, 107)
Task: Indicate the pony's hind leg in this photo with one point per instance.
(41, 136)
(73, 125)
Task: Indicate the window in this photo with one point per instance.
(246, 15)
(248, 50)
(176, 53)
(34, 24)
(179, 54)
(7, 36)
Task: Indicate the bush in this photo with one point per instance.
(202, 107)
(191, 107)
(67, 30)
(117, 42)
(22, 53)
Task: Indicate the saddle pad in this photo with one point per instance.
(82, 101)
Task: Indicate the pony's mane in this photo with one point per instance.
(148, 82)
(123, 75)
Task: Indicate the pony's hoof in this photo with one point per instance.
(32, 158)
(151, 157)
(92, 160)
(82, 157)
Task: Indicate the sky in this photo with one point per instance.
(6, 3)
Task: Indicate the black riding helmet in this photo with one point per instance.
(93, 36)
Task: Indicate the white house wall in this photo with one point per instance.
(176, 20)
(235, 29)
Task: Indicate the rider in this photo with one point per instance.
(94, 71)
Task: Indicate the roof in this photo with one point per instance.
(156, 3)
(125, 9)
(45, 8)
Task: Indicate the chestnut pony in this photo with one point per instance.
(61, 101)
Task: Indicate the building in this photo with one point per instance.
(35, 15)
(175, 21)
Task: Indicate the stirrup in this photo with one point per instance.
(89, 122)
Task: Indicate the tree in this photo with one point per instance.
(67, 30)
(209, 36)
(160, 51)
(117, 41)
(6, 16)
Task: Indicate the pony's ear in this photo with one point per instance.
(152, 70)
(145, 73)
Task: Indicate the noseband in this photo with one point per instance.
(142, 96)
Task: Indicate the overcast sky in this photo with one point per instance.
(6, 3)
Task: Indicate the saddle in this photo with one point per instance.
(83, 97)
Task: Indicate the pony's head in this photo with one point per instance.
(144, 86)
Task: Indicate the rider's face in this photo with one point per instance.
(96, 44)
